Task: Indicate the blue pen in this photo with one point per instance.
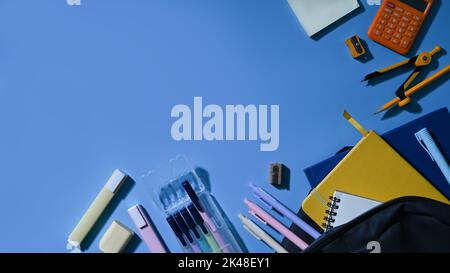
(184, 228)
(431, 147)
(193, 227)
(274, 204)
(176, 229)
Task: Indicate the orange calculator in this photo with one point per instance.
(398, 22)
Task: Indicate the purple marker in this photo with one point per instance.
(148, 233)
(274, 204)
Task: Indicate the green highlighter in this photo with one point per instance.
(199, 221)
(95, 210)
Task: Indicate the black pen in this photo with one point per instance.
(205, 247)
(176, 229)
(184, 228)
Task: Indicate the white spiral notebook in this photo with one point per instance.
(315, 15)
(345, 207)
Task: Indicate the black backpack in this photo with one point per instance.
(404, 225)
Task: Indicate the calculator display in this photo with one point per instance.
(419, 5)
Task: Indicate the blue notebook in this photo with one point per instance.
(402, 139)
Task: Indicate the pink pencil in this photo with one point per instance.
(267, 219)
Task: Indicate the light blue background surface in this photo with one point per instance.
(85, 90)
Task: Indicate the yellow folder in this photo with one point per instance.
(372, 169)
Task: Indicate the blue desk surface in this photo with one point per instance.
(85, 90)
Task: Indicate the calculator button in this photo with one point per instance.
(417, 18)
(398, 35)
(391, 26)
(409, 34)
(395, 41)
(405, 19)
(386, 37)
(405, 43)
(383, 22)
(414, 23)
(408, 14)
(389, 31)
(377, 32)
(380, 27)
(400, 30)
(391, 5)
(402, 24)
(399, 9)
(396, 14)
(388, 11)
(412, 29)
(394, 20)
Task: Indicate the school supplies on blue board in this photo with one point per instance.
(403, 140)
(372, 169)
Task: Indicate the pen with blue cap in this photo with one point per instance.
(193, 227)
(427, 142)
(215, 248)
(184, 228)
(179, 234)
(274, 204)
(201, 209)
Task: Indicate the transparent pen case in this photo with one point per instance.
(190, 210)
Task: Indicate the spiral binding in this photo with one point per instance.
(331, 213)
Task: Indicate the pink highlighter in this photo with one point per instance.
(268, 219)
(145, 227)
